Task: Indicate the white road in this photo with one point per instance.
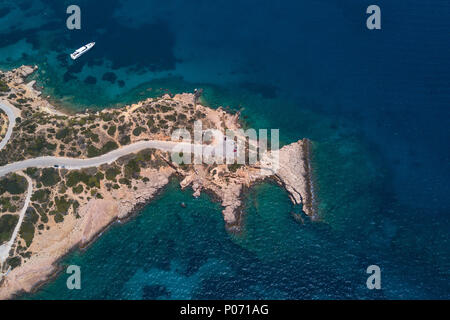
(74, 163)
(5, 248)
(216, 150)
(12, 122)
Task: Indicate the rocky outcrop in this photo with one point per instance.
(18, 75)
(292, 172)
(289, 167)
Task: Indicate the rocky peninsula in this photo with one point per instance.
(70, 206)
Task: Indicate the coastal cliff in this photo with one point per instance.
(71, 207)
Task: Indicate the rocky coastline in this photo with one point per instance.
(95, 214)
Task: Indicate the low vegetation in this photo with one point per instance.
(13, 183)
(7, 224)
(3, 86)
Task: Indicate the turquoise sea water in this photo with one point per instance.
(374, 106)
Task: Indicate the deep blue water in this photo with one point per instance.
(375, 103)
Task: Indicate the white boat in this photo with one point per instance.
(82, 50)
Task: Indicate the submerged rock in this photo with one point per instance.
(90, 80)
(109, 76)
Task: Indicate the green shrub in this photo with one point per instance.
(150, 122)
(31, 216)
(78, 189)
(112, 130)
(14, 262)
(132, 169)
(27, 232)
(93, 151)
(171, 117)
(62, 205)
(154, 129)
(234, 167)
(6, 205)
(41, 195)
(44, 217)
(49, 177)
(75, 205)
(14, 184)
(39, 145)
(166, 108)
(74, 177)
(61, 134)
(58, 218)
(7, 224)
(109, 146)
(111, 173)
(31, 171)
(106, 116)
(137, 131)
(124, 181)
(3, 86)
(125, 140)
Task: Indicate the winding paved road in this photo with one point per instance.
(12, 122)
(74, 163)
